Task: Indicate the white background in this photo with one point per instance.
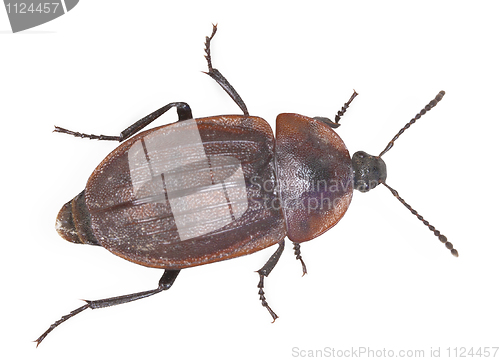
(379, 279)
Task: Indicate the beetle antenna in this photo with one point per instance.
(428, 107)
(438, 234)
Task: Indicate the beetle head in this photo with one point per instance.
(369, 171)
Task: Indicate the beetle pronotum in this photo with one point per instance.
(209, 189)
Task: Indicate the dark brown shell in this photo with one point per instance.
(315, 175)
(133, 217)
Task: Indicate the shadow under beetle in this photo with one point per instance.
(210, 189)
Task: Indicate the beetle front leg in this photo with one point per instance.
(183, 112)
(340, 113)
(296, 248)
(265, 271)
(166, 281)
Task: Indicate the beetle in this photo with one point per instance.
(209, 189)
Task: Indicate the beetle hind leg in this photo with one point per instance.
(264, 272)
(219, 78)
(166, 281)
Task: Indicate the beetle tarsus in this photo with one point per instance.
(219, 78)
(340, 113)
(61, 320)
(263, 298)
(296, 248)
(266, 271)
(207, 47)
(83, 135)
(344, 108)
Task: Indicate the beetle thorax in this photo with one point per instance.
(315, 175)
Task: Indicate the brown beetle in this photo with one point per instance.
(215, 188)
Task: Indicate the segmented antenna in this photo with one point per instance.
(438, 234)
(428, 107)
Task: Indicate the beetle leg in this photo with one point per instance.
(340, 113)
(219, 78)
(296, 248)
(183, 111)
(166, 281)
(265, 271)
(344, 108)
